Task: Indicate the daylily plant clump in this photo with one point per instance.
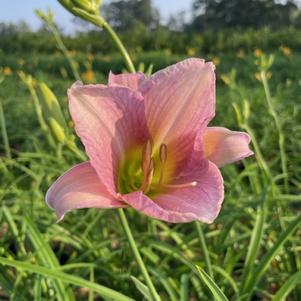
(149, 145)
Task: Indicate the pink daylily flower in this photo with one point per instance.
(149, 146)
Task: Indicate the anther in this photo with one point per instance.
(147, 166)
(163, 153)
(149, 178)
(146, 157)
(163, 157)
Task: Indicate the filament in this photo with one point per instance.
(184, 185)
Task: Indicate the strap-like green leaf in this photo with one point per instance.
(215, 290)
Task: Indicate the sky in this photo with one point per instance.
(17, 10)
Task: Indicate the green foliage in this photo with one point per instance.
(218, 14)
(251, 251)
(215, 290)
(127, 15)
(13, 39)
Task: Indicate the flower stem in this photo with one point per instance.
(281, 137)
(204, 248)
(4, 132)
(120, 46)
(97, 20)
(155, 296)
(62, 47)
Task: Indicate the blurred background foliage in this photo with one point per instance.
(212, 26)
(252, 251)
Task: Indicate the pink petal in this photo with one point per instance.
(108, 120)
(129, 80)
(201, 202)
(79, 187)
(222, 146)
(180, 102)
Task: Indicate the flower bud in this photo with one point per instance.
(46, 17)
(53, 107)
(90, 6)
(57, 130)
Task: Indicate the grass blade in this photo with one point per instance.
(66, 278)
(204, 248)
(14, 229)
(166, 283)
(47, 258)
(255, 242)
(215, 290)
(184, 287)
(142, 288)
(38, 289)
(287, 287)
(227, 277)
(270, 255)
(4, 132)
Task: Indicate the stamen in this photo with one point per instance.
(163, 157)
(147, 166)
(163, 152)
(149, 177)
(146, 157)
(184, 185)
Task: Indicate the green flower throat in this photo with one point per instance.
(147, 171)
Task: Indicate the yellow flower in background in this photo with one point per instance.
(258, 52)
(216, 60)
(240, 53)
(6, 71)
(191, 51)
(285, 50)
(89, 76)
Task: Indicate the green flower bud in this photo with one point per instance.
(53, 108)
(57, 130)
